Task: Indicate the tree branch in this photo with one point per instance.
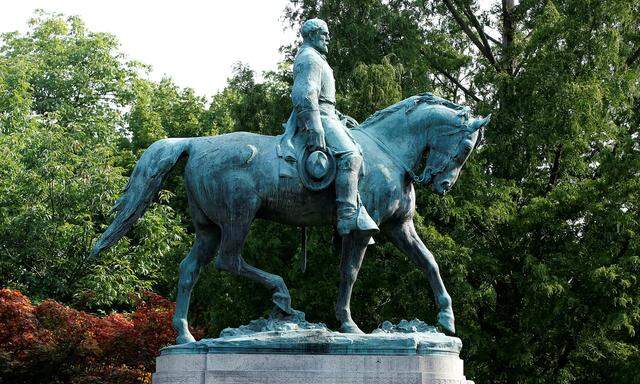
(455, 81)
(492, 39)
(461, 22)
(555, 168)
(508, 32)
(474, 20)
(565, 352)
(634, 56)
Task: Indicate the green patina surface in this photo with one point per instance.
(267, 336)
(235, 178)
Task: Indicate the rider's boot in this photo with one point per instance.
(351, 213)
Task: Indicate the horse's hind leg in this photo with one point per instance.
(204, 248)
(229, 259)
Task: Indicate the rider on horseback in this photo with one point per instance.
(314, 100)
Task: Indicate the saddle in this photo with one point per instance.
(315, 169)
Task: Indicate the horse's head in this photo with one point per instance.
(445, 129)
(449, 148)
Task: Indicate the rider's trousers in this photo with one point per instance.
(349, 160)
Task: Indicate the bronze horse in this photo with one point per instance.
(232, 179)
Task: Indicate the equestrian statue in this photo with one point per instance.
(326, 169)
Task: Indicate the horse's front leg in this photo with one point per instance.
(404, 236)
(354, 247)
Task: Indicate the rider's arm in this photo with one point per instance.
(305, 94)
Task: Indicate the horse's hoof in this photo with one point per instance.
(182, 329)
(350, 327)
(294, 315)
(447, 321)
(183, 339)
(283, 302)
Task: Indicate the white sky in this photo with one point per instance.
(193, 42)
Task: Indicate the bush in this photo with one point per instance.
(52, 343)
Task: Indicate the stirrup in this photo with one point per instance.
(360, 221)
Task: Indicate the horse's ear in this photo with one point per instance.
(486, 120)
(481, 122)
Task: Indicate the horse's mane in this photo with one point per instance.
(410, 103)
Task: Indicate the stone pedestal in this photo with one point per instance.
(307, 369)
(315, 356)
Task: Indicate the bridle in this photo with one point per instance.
(429, 172)
(385, 148)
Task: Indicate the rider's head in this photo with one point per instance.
(316, 33)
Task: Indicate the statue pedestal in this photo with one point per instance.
(315, 356)
(307, 369)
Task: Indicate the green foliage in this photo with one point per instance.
(257, 107)
(63, 92)
(164, 110)
(376, 86)
(537, 243)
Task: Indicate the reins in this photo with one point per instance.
(427, 173)
(393, 157)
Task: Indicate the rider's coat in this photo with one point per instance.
(314, 92)
(313, 82)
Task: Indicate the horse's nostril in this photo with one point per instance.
(446, 184)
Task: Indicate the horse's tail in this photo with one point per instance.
(143, 186)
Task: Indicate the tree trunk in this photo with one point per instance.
(508, 33)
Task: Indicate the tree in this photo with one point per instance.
(538, 241)
(63, 92)
(52, 343)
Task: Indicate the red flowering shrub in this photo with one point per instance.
(52, 343)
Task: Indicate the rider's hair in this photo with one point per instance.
(310, 26)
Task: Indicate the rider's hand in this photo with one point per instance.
(347, 120)
(350, 122)
(315, 141)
